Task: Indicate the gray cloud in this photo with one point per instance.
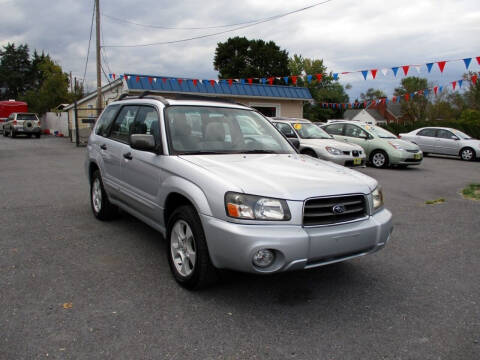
(347, 34)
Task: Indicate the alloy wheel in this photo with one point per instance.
(97, 195)
(467, 154)
(378, 159)
(182, 247)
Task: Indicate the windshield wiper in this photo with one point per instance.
(258, 151)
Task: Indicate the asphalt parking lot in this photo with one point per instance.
(76, 288)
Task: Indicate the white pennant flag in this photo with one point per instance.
(418, 68)
(384, 72)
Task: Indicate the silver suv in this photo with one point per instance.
(224, 199)
(22, 123)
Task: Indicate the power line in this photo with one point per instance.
(244, 25)
(89, 41)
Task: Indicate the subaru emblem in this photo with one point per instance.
(338, 209)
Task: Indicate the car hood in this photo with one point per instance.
(291, 177)
(330, 142)
(405, 144)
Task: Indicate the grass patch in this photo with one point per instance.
(434, 202)
(472, 191)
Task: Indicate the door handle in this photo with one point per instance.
(128, 156)
(103, 147)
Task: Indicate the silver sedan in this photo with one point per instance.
(445, 141)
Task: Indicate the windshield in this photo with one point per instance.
(380, 132)
(214, 130)
(462, 135)
(27, 117)
(310, 131)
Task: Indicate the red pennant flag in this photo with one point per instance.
(374, 72)
(164, 80)
(319, 77)
(394, 99)
(212, 82)
(383, 100)
(137, 79)
(180, 81)
(294, 79)
(405, 69)
(113, 75)
(407, 97)
(230, 82)
(365, 104)
(454, 85)
(195, 81)
(150, 80)
(435, 89)
(250, 81)
(420, 92)
(126, 77)
(478, 59)
(441, 65)
(270, 80)
(474, 79)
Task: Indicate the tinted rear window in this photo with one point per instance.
(26, 117)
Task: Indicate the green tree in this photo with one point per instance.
(325, 91)
(53, 89)
(239, 57)
(372, 94)
(415, 109)
(472, 95)
(14, 70)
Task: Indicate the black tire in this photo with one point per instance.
(37, 136)
(29, 135)
(203, 273)
(310, 153)
(375, 159)
(425, 154)
(13, 134)
(5, 134)
(102, 208)
(467, 154)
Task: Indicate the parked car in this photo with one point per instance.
(22, 123)
(446, 141)
(315, 142)
(382, 148)
(226, 200)
(10, 106)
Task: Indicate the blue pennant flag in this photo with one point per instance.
(110, 76)
(204, 82)
(395, 69)
(460, 83)
(425, 92)
(365, 73)
(309, 78)
(335, 76)
(467, 62)
(386, 100)
(429, 67)
(121, 76)
(412, 95)
(263, 81)
(440, 88)
(285, 78)
(242, 81)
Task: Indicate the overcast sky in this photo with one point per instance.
(348, 35)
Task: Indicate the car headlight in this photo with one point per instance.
(334, 151)
(242, 206)
(377, 196)
(396, 145)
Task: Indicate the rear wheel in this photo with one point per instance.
(101, 206)
(379, 159)
(29, 135)
(467, 154)
(187, 250)
(37, 136)
(5, 133)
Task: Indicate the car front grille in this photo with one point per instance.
(355, 153)
(413, 151)
(333, 210)
(346, 152)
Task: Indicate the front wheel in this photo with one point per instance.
(379, 159)
(187, 250)
(310, 153)
(467, 154)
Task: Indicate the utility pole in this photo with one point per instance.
(99, 72)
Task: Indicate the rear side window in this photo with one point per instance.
(105, 121)
(286, 130)
(123, 123)
(355, 131)
(427, 132)
(334, 129)
(32, 117)
(147, 122)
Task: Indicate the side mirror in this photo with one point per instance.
(143, 142)
(295, 142)
(455, 137)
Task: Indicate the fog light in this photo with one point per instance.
(263, 258)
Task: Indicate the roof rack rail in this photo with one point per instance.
(180, 96)
(144, 95)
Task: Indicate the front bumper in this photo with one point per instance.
(406, 158)
(346, 160)
(232, 245)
